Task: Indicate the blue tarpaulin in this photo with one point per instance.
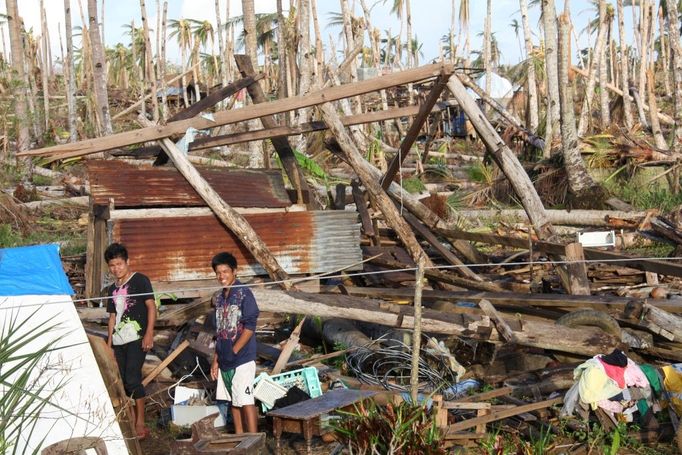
(32, 270)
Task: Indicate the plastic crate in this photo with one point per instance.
(268, 391)
(305, 379)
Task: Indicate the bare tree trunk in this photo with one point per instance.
(644, 47)
(281, 51)
(624, 73)
(579, 181)
(408, 23)
(99, 73)
(256, 158)
(552, 71)
(586, 112)
(221, 43)
(162, 63)
(665, 61)
(17, 49)
(69, 74)
(676, 48)
(148, 63)
(533, 116)
(45, 65)
(486, 51)
(348, 34)
(659, 140)
(304, 57)
(603, 94)
(319, 49)
(451, 35)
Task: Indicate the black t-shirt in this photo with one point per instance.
(132, 305)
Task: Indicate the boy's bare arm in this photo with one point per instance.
(111, 324)
(148, 339)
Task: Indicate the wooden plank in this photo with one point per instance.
(489, 395)
(466, 405)
(598, 302)
(502, 414)
(153, 133)
(361, 207)
(502, 327)
(288, 349)
(167, 361)
(426, 233)
(591, 254)
(416, 126)
(234, 221)
(283, 131)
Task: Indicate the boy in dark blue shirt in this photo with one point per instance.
(235, 355)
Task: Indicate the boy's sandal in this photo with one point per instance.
(144, 434)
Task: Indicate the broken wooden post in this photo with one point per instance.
(377, 194)
(417, 332)
(415, 127)
(292, 342)
(281, 144)
(501, 325)
(234, 221)
(577, 270)
(505, 159)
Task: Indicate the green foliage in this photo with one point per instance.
(22, 399)
(413, 185)
(481, 173)
(644, 199)
(163, 295)
(406, 428)
(310, 166)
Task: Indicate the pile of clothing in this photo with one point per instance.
(617, 385)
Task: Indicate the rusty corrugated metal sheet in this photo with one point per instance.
(147, 186)
(176, 249)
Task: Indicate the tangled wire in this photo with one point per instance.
(390, 366)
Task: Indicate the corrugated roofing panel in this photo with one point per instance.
(177, 249)
(146, 186)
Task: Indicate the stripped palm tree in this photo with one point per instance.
(181, 30)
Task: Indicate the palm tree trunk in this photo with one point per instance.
(464, 26)
(281, 51)
(45, 65)
(624, 73)
(659, 140)
(579, 180)
(533, 117)
(150, 74)
(586, 112)
(99, 73)
(69, 74)
(603, 93)
(451, 35)
(370, 34)
(665, 61)
(551, 68)
(408, 23)
(348, 34)
(221, 44)
(319, 52)
(256, 158)
(676, 56)
(305, 63)
(486, 51)
(644, 47)
(162, 63)
(17, 49)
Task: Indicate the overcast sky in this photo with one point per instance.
(430, 19)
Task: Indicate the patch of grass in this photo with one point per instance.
(41, 180)
(413, 185)
(644, 199)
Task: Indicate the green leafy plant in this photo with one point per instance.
(22, 399)
(406, 428)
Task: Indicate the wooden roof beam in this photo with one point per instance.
(155, 133)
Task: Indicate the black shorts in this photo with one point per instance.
(130, 358)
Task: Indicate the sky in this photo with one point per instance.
(431, 20)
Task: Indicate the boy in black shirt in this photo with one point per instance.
(132, 313)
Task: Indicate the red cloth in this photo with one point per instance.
(615, 373)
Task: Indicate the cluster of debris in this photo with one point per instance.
(505, 333)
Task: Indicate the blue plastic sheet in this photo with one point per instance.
(32, 270)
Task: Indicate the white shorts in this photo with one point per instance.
(242, 386)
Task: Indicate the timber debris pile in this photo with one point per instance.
(391, 295)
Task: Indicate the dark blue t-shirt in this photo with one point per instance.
(234, 313)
